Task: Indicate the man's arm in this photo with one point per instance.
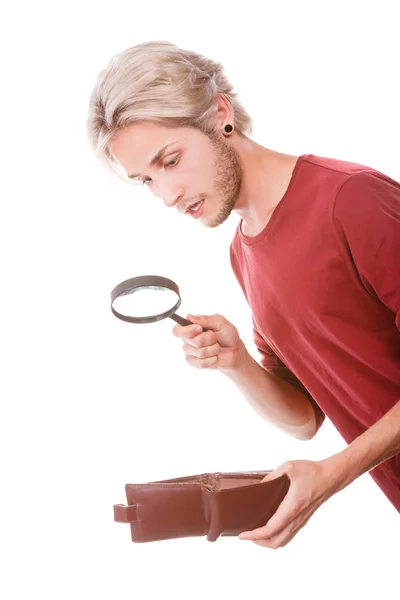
(217, 345)
(379, 443)
(313, 482)
(276, 400)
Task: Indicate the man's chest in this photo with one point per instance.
(300, 286)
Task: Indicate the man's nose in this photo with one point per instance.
(170, 196)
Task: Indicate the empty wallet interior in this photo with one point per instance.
(220, 481)
(225, 482)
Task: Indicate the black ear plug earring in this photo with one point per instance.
(228, 128)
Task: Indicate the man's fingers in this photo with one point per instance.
(207, 338)
(285, 468)
(285, 536)
(199, 363)
(214, 322)
(202, 353)
(263, 536)
(186, 331)
(278, 541)
(255, 534)
(194, 335)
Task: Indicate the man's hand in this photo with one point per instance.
(211, 342)
(311, 483)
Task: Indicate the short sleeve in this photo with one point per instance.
(273, 364)
(367, 214)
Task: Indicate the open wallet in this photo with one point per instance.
(211, 504)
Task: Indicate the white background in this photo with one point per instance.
(90, 403)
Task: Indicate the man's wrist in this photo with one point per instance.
(344, 467)
(377, 444)
(241, 363)
(243, 358)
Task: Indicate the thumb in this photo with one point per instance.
(213, 322)
(276, 473)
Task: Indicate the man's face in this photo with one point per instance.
(198, 174)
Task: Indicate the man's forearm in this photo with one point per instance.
(379, 443)
(275, 400)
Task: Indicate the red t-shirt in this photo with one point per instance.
(323, 282)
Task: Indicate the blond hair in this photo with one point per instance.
(159, 82)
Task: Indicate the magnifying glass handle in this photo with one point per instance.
(180, 320)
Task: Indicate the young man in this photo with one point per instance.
(317, 254)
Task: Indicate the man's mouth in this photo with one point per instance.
(194, 207)
(194, 210)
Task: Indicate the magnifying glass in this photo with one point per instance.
(147, 299)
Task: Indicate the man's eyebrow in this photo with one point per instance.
(155, 158)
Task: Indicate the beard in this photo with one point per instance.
(228, 177)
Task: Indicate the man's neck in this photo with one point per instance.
(266, 176)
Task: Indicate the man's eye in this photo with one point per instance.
(148, 180)
(172, 162)
(139, 181)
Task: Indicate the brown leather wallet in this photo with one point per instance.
(211, 504)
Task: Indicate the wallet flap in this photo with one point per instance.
(242, 508)
(167, 510)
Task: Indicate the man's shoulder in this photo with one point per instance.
(336, 165)
(330, 179)
(368, 197)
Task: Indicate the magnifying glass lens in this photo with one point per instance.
(146, 301)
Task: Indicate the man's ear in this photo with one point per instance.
(224, 114)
